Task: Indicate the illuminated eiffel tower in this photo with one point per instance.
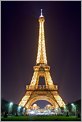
(48, 91)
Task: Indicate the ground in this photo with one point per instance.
(41, 118)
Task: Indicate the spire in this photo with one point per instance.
(41, 14)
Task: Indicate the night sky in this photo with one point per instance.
(19, 42)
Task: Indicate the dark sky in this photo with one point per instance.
(19, 42)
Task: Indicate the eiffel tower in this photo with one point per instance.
(48, 91)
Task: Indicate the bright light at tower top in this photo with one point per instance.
(41, 14)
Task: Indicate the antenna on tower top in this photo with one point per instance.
(41, 13)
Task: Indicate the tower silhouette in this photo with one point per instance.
(47, 91)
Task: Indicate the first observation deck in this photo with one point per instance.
(42, 87)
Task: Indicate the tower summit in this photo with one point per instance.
(41, 54)
(47, 91)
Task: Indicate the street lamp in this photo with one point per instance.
(18, 109)
(73, 107)
(23, 112)
(11, 103)
(10, 107)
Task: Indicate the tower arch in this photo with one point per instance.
(37, 98)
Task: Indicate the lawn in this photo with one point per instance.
(41, 118)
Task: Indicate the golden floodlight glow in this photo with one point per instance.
(34, 91)
(41, 55)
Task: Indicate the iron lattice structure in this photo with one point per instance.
(34, 91)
